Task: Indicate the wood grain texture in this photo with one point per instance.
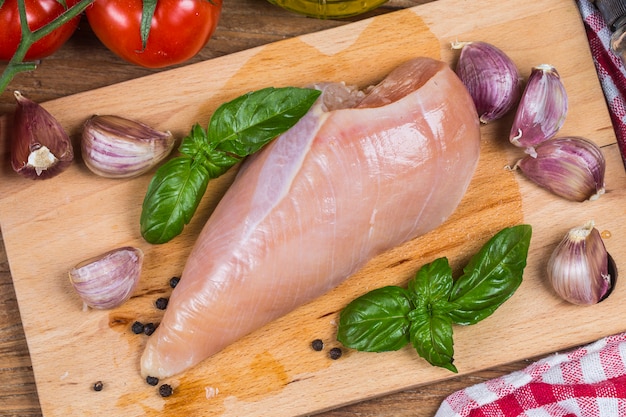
(273, 367)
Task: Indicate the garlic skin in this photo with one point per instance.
(571, 167)
(108, 280)
(116, 147)
(580, 269)
(40, 148)
(542, 109)
(491, 77)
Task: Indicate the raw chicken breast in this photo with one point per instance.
(311, 208)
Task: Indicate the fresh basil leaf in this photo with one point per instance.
(492, 275)
(147, 13)
(436, 302)
(173, 195)
(247, 123)
(430, 331)
(244, 125)
(195, 142)
(432, 282)
(178, 186)
(237, 129)
(376, 321)
(196, 146)
(431, 335)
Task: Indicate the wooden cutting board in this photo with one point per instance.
(49, 226)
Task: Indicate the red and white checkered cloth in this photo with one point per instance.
(586, 382)
(589, 381)
(610, 68)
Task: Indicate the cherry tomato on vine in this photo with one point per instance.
(38, 13)
(179, 29)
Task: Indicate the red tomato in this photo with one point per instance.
(38, 13)
(179, 29)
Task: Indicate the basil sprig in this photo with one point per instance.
(237, 129)
(389, 318)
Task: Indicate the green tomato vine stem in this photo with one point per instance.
(16, 64)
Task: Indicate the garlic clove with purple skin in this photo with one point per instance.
(108, 280)
(580, 269)
(542, 109)
(570, 167)
(491, 78)
(40, 148)
(116, 147)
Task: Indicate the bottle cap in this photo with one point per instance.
(611, 10)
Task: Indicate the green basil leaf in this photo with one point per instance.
(195, 143)
(173, 195)
(430, 331)
(492, 275)
(247, 123)
(236, 130)
(431, 335)
(149, 6)
(178, 186)
(376, 321)
(432, 282)
(197, 146)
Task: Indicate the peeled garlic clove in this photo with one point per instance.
(115, 147)
(542, 109)
(570, 167)
(108, 280)
(40, 148)
(580, 269)
(491, 77)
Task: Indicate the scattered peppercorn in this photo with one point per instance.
(161, 303)
(165, 390)
(152, 380)
(137, 327)
(98, 386)
(174, 281)
(335, 353)
(149, 328)
(317, 345)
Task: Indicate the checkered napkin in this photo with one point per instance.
(586, 382)
(589, 381)
(610, 69)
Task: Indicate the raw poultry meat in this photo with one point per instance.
(361, 173)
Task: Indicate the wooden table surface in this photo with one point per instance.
(83, 64)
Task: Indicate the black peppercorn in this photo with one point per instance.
(335, 353)
(174, 281)
(317, 345)
(98, 386)
(165, 390)
(149, 328)
(137, 327)
(161, 303)
(152, 380)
